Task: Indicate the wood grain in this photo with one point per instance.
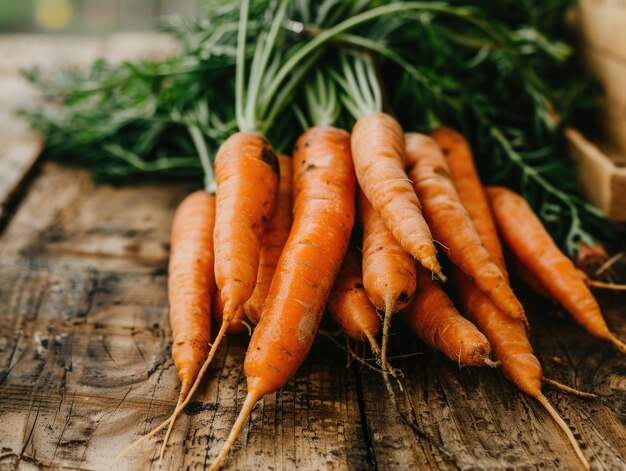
(85, 364)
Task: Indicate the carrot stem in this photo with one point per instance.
(561, 423)
(567, 389)
(246, 409)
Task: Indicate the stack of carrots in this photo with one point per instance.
(349, 225)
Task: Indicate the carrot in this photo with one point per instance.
(239, 322)
(379, 154)
(349, 305)
(388, 271)
(433, 317)
(323, 216)
(511, 348)
(451, 224)
(246, 173)
(191, 284)
(508, 338)
(458, 156)
(274, 238)
(525, 235)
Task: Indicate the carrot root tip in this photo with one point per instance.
(567, 389)
(561, 423)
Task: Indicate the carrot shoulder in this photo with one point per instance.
(378, 153)
(452, 225)
(528, 239)
(433, 317)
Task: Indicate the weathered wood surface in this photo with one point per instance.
(85, 363)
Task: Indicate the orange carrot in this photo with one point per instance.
(379, 154)
(191, 283)
(451, 223)
(388, 271)
(246, 173)
(274, 238)
(511, 348)
(507, 336)
(349, 305)
(458, 156)
(525, 235)
(436, 321)
(323, 216)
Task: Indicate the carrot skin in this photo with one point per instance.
(348, 303)
(433, 317)
(246, 173)
(452, 225)
(274, 239)
(379, 155)
(529, 241)
(388, 271)
(507, 336)
(191, 283)
(458, 156)
(324, 185)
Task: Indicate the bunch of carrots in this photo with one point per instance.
(348, 225)
(351, 224)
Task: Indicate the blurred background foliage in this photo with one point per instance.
(87, 16)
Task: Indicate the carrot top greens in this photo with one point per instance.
(502, 73)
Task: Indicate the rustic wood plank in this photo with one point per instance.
(66, 215)
(85, 368)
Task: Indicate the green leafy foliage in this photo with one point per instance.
(500, 72)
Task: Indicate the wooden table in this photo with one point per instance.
(85, 363)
